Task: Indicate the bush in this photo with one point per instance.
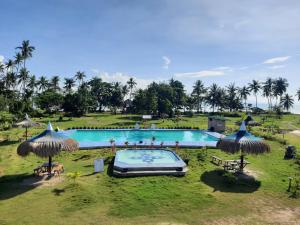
(201, 156)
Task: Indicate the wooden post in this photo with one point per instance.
(49, 166)
(26, 133)
(242, 162)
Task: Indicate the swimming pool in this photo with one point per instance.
(134, 162)
(142, 137)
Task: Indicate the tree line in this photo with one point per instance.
(21, 91)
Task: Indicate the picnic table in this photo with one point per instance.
(234, 165)
(56, 168)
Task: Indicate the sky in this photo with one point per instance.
(215, 41)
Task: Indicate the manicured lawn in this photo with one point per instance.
(199, 197)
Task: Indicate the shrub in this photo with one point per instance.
(74, 176)
(201, 156)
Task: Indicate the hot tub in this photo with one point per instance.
(139, 162)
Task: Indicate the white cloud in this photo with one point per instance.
(223, 68)
(1, 58)
(277, 67)
(167, 62)
(276, 60)
(203, 73)
(123, 78)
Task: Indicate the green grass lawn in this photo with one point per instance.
(201, 197)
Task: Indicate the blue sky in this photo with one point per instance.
(215, 41)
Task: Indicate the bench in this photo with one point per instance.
(216, 160)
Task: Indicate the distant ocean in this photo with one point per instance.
(295, 109)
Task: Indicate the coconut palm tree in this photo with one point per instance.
(254, 87)
(279, 87)
(55, 83)
(69, 84)
(198, 92)
(10, 80)
(26, 51)
(18, 60)
(287, 102)
(80, 77)
(298, 94)
(244, 93)
(267, 88)
(10, 64)
(23, 77)
(43, 83)
(212, 96)
(131, 84)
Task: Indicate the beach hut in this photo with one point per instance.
(216, 123)
(47, 144)
(243, 142)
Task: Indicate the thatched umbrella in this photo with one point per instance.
(27, 123)
(243, 142)
(47, 144)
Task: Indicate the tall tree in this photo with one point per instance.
(23, 78)
(244, 93)
(287, 102)
(69, 84)
(26, 51)
(212, 96)
(267, 88)
(198, 93)
(18, 60)
(131, 84)
(55, 83)
(43, 83)
(298, 94)
(279, 87)
(79, 76)
(254, 87)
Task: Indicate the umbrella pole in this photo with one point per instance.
(242, 162)
(49, 165)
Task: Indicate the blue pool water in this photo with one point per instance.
(131, 135)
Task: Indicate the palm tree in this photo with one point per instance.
(212, 96)
(197, 92)
(254, 87)
(80, 77)
(69, 84)
(23, 78)
(26, 51)
(43, 83)
(55, 83)
(287, 102)
(10, 64)
(244, 93)
(10, 80)
(18, 60)
(131, 84)
(298, 94)
(280, 86)
(267, 91)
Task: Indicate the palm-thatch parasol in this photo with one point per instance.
(244, 142)
(47, 144)
(27, 123)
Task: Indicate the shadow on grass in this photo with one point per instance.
(12, 185)
(57, 191)
(83, 157)
(122, 124)
(242, 183)
(5, 143)
(132, 118)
